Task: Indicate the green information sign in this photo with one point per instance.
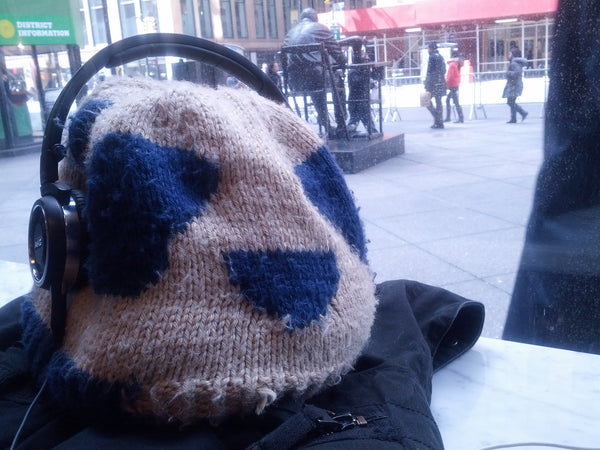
(35, 22)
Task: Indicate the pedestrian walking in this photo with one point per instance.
(453, 83)
(514, 84)
(435, 84)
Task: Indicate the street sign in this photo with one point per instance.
(336, 30)
(31, 22)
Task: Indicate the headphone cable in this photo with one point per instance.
(16, 438)
(537, 444)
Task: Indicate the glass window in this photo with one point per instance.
(291, 13)
(206, 30)
(84, 23)
(240, 19)
(287, 7)
(500, 48)
(259, 19)
(355, 4)
(226, 19)
(272, 18)
(128, 19)
(187, 17)
(149, 16)
(98, 23)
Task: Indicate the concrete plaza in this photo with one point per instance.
(451, 211)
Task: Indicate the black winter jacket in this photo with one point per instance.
(514, 78)
(383, 403)
(435, 82)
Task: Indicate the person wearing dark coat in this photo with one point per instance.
(273, 74)
(514, 84)
(305, 72)
(556, 297)
(435, 84)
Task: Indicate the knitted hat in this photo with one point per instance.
(226, 265)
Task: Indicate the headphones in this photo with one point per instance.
(57, 231)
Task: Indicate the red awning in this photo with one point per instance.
(432, 12)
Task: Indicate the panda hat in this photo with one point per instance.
(227, 262)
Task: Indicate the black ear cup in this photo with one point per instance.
(56, 250)
(55, 241)
(46, 241)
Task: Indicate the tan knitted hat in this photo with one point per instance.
(226, 265)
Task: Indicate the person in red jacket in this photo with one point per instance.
(452, 83)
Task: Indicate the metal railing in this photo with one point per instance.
(395, 78)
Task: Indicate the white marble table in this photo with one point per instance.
(15, 280)
(502, 393)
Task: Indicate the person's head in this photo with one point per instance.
(432, 47)
(274, 67)
(310, 14)
(454, 53)
(514, 53)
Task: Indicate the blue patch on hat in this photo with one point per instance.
(80, 126)
(294, 284)
(139, 195)
(39, 344)
(325, 186)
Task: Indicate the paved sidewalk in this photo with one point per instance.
(451, 211)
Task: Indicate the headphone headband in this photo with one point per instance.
(138, 47)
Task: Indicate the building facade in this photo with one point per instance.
(398, 30)
(483, 31)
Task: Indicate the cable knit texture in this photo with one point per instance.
(227, 261)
